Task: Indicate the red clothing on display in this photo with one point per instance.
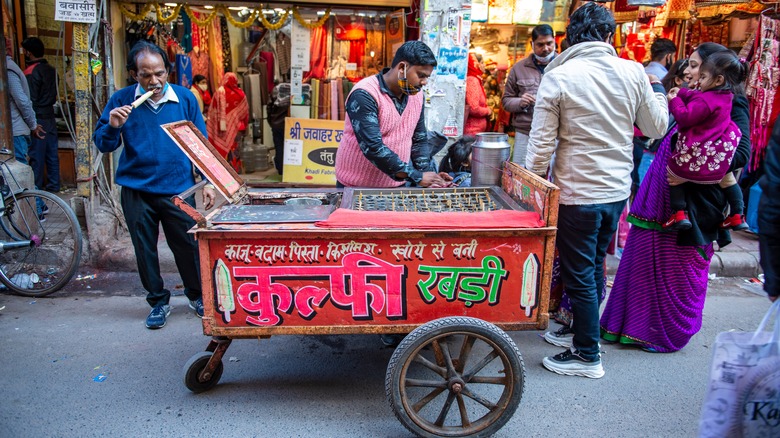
(228, 114)
(476, 102)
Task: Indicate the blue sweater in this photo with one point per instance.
(150, 162)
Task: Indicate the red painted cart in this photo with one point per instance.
(267, 269)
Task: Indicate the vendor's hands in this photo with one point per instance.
(653, 78)
(672, 93)
(39, 132)
(118, 116)
(209, 197)
(447, 181)
(433, 179)
(527, 99)
(673, 179)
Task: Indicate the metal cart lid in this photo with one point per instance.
(206, 158)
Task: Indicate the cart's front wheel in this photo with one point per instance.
(455, 377)
(192, 371)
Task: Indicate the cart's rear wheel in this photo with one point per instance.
(192, 369)
(455, 377)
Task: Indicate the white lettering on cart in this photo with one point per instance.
(338, 250)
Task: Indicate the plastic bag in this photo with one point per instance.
(743, 397)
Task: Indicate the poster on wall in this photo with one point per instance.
(395, 33)
(310, 150)
(300, 46)
(75, 11)
(452, 61)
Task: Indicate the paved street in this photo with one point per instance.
(315, 386)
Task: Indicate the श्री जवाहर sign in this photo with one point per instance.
(76, 11)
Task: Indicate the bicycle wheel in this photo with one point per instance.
(53, 254)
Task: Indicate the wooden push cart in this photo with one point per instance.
(267, 269)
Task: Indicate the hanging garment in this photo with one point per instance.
(283, 55)
(183, 71)
(186, 31)
(215, 54)
(228, 115)
(319, 48)
(227, 57)
(268, 58)
(199, 62)
(762, 83)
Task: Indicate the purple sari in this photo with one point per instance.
(658, 294)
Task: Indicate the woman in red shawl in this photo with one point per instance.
(228, 116)
(477, 110)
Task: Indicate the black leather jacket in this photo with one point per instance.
(42, 78)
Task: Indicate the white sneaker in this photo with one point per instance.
(571, 363)
(560, 338)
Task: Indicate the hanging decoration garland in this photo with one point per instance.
(274, 26)
(169, 18)
(256, 14)
(133, 16)
(200, 22)
(308, 25)
(241, 25)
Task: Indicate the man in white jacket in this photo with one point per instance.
(587, 105)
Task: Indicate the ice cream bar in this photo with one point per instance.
(530, 278)
(224, 290)
(136, 103)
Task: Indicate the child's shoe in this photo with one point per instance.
(734, 222)
(678, 222)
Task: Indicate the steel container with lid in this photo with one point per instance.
(488, 154)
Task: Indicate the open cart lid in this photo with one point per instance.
(206, 158)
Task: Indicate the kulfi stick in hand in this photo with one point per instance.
(136, 103)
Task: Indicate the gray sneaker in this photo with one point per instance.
(156, 318)
(560, 338)
(571, 363)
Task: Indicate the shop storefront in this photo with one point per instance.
(302, 59)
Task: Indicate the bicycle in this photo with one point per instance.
(40, 239)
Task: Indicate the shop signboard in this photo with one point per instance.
(310, 150)
(396, 32)
(75, 11)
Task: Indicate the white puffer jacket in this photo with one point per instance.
(586, 108)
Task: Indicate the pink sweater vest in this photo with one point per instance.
(352, 167)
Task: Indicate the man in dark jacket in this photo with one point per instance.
(769, 217)
(522, 84)
(42, 79)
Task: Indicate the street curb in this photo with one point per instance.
(723, 264)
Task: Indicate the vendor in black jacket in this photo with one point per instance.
(769, 217)
(42, 79)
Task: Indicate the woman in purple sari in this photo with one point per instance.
(657, 298)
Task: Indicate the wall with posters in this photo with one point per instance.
(446, 28)
(310, 150)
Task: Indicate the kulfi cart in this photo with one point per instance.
(453, 268)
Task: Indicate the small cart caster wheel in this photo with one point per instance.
(192, 369)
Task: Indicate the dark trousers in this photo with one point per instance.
(144, 212)
(584, 233)
(43, 154)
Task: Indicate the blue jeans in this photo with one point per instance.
(584, 233)
(644, 165)
(21, 145)
(43, 154)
